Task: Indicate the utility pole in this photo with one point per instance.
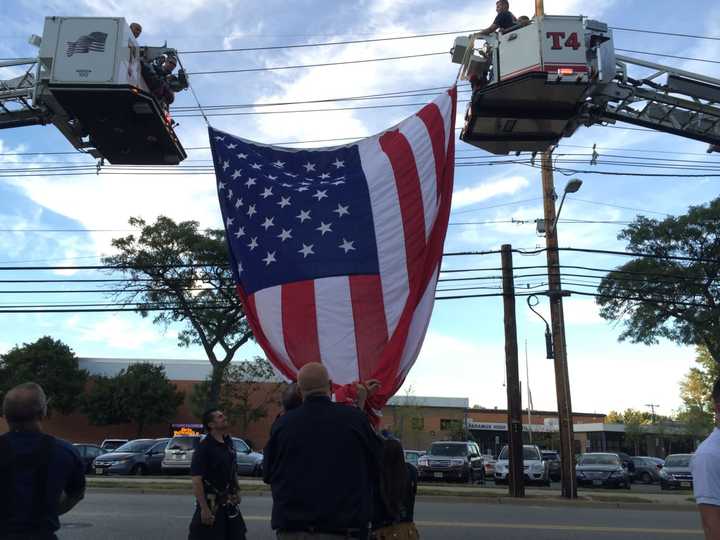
(516, 483)
(529, 396)
(557, 318)
(652, 407)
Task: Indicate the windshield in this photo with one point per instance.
(678, 461)
(529, 453)
(184, 443)
(448, 450)
(600, 459)
(135, 446)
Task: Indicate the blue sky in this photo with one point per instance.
(463, 354)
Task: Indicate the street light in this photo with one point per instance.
(573, 186)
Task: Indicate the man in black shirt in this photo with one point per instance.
(321, 461)
(215, 484)
(41, 477)
(504, 19)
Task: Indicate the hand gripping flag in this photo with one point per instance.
(336, 251)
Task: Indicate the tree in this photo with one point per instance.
(658, 297)
(248, 389)
(51, 364)
(698, 410)
(181, 274)
(633, 420)
(141, 394)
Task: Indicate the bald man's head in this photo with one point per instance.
(24, 405)
(313, 380)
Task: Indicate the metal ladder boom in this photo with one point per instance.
(17, 95)
(686, 104)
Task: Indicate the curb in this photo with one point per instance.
(468, 497)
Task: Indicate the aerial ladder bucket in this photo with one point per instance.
(537, 83)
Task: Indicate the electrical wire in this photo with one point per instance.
(322, 64)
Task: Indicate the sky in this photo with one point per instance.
(463, 354)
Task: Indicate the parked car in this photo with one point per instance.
(452, 460)
(535, 470)
(249, 463)
(180, 450)
(178, 453)
(111, 444)
(130, 458)
(602, 470)
(627, 462)
(660, 462)
(155, 456)
(646, 470)
(489, 463)
(552, 458)
(88, 453)
(412, 456)
(676, 472)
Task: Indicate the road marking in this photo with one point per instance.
(535, 526)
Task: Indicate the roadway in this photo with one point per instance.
(114, 515)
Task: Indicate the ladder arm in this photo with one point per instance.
(686, 104)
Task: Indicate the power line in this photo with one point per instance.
(664, 55)
(326, 44)
(324, 64)
(659, 33)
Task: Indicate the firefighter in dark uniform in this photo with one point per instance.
(215, 484)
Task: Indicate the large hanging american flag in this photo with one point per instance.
(336, 251)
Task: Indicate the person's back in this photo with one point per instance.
(42, 477)
(321, 461)
(705, 467)
(394, 511)
(36, 470)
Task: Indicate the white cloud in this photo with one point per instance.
(487, 190)
(577, 312)
(115, 332)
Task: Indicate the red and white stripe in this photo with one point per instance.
(373, 326)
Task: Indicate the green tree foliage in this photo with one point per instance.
(180, 274)
(698, 410)
(248, 389)
(51, 364)
(629, 416)
(655, 297)
(141, 394)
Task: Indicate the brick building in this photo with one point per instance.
(416, 420)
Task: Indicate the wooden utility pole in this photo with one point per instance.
(516, 480)
(557, 317)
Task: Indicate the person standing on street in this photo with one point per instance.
(41, 477)
(322, 461)
(395, 496)
(215, 484)
(706, 475)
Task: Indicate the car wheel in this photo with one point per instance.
(138, 470)
(627, 485)
(645, 478)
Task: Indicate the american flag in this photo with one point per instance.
(94, 42)
(336, 251)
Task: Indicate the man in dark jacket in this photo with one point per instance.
(321, 461)
(41, 477)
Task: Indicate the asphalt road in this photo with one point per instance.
(126, 515)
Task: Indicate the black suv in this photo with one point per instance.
(451, 460)
(552, 458)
